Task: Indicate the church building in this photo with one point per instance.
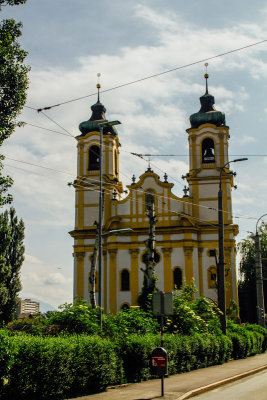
(186, 229)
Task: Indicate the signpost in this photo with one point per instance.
(162, 304)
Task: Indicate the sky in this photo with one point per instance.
(69, 42)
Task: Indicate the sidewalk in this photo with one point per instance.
(178, 387)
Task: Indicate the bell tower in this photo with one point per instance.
(87, 187)
(208, 153)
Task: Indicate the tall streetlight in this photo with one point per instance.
(221, 278)
(259, 279)
(102, 125)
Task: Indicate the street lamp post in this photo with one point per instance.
(259, 278)
(220, 272)
(101, 125)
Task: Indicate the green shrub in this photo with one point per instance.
(245, 342)
(185, 353)
(135, 352)
(261, 330)
(36, 325)
(196, 351)
(54, 368)
(128, 322)
(75, 318)
(68, 366)
(191, 316)
(6, 356)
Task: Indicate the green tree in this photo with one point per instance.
(11, 259)
(13, 86)
(247, 283)
(11, 2)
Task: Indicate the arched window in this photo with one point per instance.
(94, 158)
(212, 277)
(125, 280)
(208, 155)
(177, 278)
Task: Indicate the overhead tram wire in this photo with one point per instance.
(138, 190)
(46, 129)
(60, 126)
(153, 76)
(95, 190)
(141, 156)
(146, 154)
(172, 211)
(175, 212)
(52, 120)
(142, 191)
(194, 155)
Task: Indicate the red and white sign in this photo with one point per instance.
(158, 361)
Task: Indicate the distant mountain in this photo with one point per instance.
(44, 307)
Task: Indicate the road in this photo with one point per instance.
(253, 387)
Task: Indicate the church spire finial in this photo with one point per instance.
(98, 87)
(206, 76)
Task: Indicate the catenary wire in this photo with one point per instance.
(46, 129)
(155, 75)
(139, 154)
(98, 191)
(60, 126)
(142, 191)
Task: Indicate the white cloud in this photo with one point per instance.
(154, 114)
(31, 259)
(248, 139)
(54, 279)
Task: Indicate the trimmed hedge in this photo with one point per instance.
(246, 342)
(259, 329)
(6, 356)
(55, 368)
(68, 366)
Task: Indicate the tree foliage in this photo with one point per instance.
(11, 259)
(13, 86)
(247, 283)
(11, 2)
(13, 76)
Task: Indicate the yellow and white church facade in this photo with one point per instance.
(186, 228)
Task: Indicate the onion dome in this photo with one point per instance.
(98, 115)
(207, 113)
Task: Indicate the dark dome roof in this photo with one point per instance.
(98, 115)
(207, 112)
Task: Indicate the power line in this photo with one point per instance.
(41, 127)
(95, 190)
(153, 76)
(60, 126)
(39, 166)
(51, 119)
(194, 155)
(138, 190)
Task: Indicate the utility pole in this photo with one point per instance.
(220, 272)
(102, 125)
(220, 267)
(93, 269)
(151, 240)
(259, 278)
(150, 244)
(149, 285)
